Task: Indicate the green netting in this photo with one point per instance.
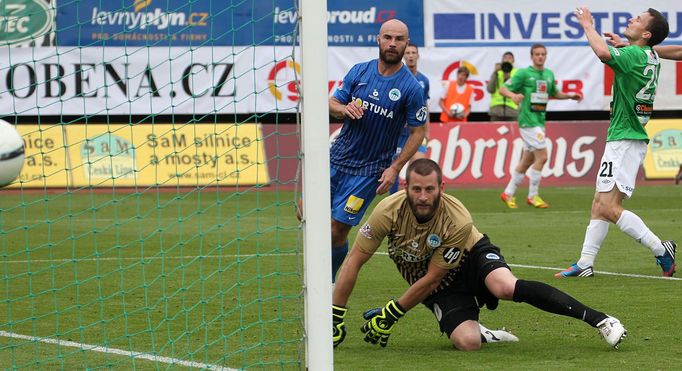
(120, 251)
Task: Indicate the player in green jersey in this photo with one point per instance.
(636, 69)
(531, 89)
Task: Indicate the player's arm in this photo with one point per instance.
(339, 110)
(517, 98)
(421, 289)
(349, 275)
(415, 140)
(574, 96)
(597, 43)
(380, 321)
(673, 52)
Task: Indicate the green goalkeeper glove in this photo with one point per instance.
(339, 327)
(380, 322)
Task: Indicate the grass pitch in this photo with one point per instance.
(215, 278)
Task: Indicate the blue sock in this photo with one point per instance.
(338, 255)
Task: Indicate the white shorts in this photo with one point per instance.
(533, 138)
(619, 165)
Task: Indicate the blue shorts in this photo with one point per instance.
(351, 195)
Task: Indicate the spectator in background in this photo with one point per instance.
(458, 91)
(501, 107)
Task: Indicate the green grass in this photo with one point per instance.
(215, 277)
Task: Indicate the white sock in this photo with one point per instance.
(534, 185)
(634, 227)
(514, 182)
(594, 236)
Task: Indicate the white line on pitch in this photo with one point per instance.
(120, 352)
(600, 272)
(78, 260)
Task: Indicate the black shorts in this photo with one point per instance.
(462, 299)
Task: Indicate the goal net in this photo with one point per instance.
(152, 225)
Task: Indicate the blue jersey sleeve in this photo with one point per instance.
(427, 87)
(343, 94)
(416, 108)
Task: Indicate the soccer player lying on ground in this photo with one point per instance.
(450, 266)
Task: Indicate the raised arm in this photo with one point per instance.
(673, 52)
(597, 43)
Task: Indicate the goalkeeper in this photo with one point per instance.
(450, 266)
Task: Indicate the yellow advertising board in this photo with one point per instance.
(167, 154)
(664, 153)
(45, 164)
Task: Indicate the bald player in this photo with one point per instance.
(377, 99)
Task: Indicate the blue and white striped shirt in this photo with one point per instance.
(366, 146)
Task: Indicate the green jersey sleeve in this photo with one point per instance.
(622, 59)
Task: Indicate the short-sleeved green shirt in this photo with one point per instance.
(636, 71)
(536, 86)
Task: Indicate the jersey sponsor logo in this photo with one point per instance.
(433, 241)
(375, 95)
(421, 114)
(492, 256)
(374, 108)
(354, 204)
(394, 94)
(366, 231)
(451, 255)
(616, 52)
(406, 256)
(643, 109)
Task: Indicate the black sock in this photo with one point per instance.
(550, 299)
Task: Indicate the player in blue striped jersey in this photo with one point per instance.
(376, 100)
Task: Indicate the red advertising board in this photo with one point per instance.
(486, 153)
(473, 154)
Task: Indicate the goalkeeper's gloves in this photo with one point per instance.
(339, 328)
(380, 322)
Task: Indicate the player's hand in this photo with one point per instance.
(380, 322)
(353, 111)
(518, 98)
(577, 97)
(498, 66)
(386, 181)
(584, 16)
(615, 40)
(339, 327)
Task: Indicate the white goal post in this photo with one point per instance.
(316, 225)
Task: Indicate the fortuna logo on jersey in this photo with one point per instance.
(371, 107)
